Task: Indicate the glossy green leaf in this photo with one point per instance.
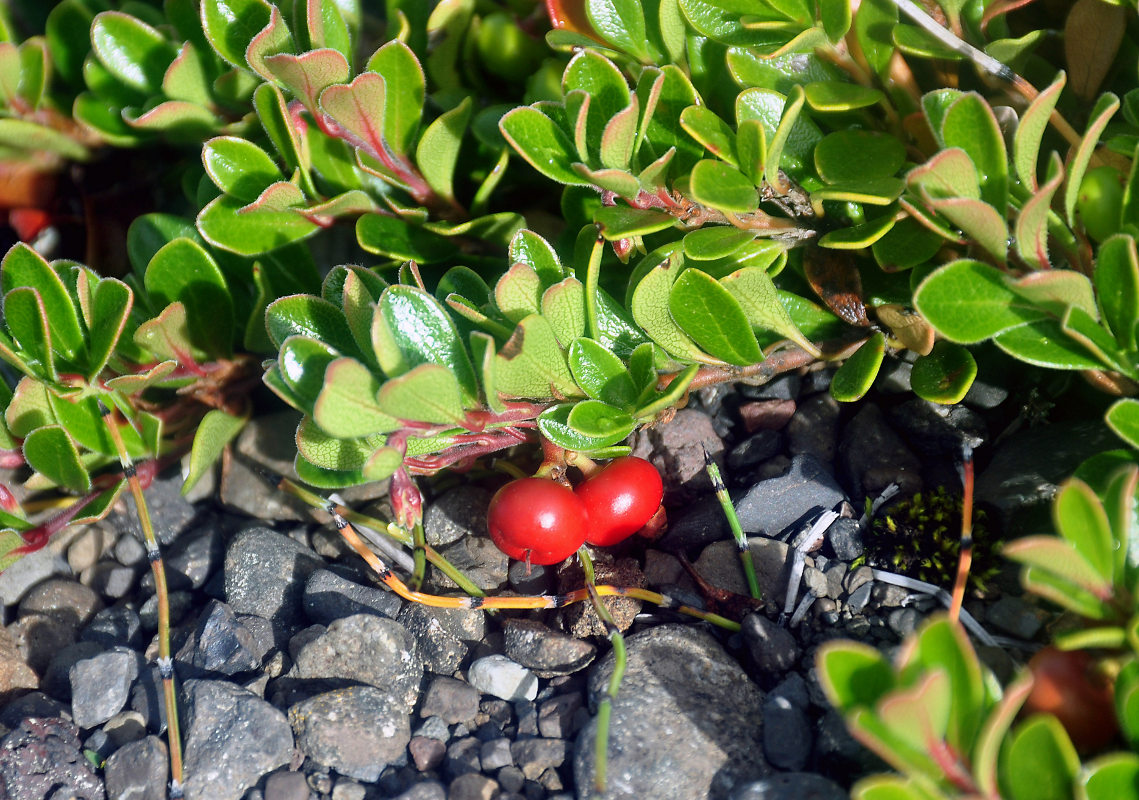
(860, 236)
(873, 25)
(601, 422)
(1030, 132)
(854, 155)
(1083, 328)
(67, 30)
(649, 304)
(543, 144)
(322, 478)
(256, 228)
(968, 301)
(971, 125)
(111, 302)
(402, 241)
(1123, 418)
(24, 267)
(621, 23)
(715, 135)
(856, 375)
(168, 336)
(403, 104)
(427, 393)
(425, 334)
(438, 150)
(853, 674)
(1060, 559)
(239, 167)
(1110, 776)
(1101, 114)
(1045, 344)
(131, 50)
(716, 241)
(945, 374)
(271, 40)
(1127, 701)
(306, 315)
(754, 290)
(1080, 518)
(230, 26)
(215, 431)
(621, 222)
(601, 374)
(531, 364)
(554, 425)
(711, 316)
(50, 452)
(518, 293)
(1117, 284)
(183, 271)
(85, 424)
(302, 361)
(839, 96)
(149, 232)
(279, 125)
(788, 121)
(721, 186)
(906, 245)
(529, 248)
(1039, 762)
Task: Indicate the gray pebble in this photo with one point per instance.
(427, 790)
(534, 756)
(451, 700)
(845, 538)
(138, 770)
(773, 505)
(64, 600)
(791, 786)
(472, 786)
(100, 685)
(28, 571)
(286, 786)
(772, 647)
(41, 759)
(117, 625)
(442, 652)
(356, 731)
(786, 730)
(426, 752)
(265, 574)
(560, 717)
(329, 597)
(463, 756)
(221, 643)
(495, 754)
(547, 652)
(456, 513)
(497, 675)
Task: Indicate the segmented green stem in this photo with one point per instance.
(733, 523)
(419, 555)
(154, 556)
(605, 707)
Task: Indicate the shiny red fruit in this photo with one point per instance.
(1067, 684)
(537, 521)
(620, 499)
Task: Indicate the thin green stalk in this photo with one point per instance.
(419, 555)
(734, 523)
(154, 556)
(592, 282)
(389, 529)
(605, 707)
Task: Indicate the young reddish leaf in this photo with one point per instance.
(1032, 222)
(835, 278)
(308, 74)
(971, 125)
(403, 104)
(950, 173)
(977, 220)
(1030, 132)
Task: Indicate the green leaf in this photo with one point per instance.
(945, 375)
(182, 271)
(167, 336)
(531, 249)
(302, 361)
(322, 478)
(24, 267)
(621, 221)
(555, 426)
(214, 432)
(427, 393)
(971, 125)
(403, 104)
(67, 30)
(716, 241)
(531, 364)
(854, 155)
(305, 315)
(855, 377)
(111, 303)
(347, 406)
(1030, 132)
(783, 133)
(873, 27)
(601, 374)
(563, 304)
(853, 674)
(131, 50)
(1123, 418)
(1080, 518)
(50, 452)
(600, 422)
(1127, 701)
(1117, 285)
(967, 302)
(149, 232)
(715, 135)
(649, 305)
(1045, 344)
(857, 237)
(238, 167)
(721, 186)
(1110, 776)
(543, 144)
(708, 313)
(402, 241)
(186, 79)
(438, 150)
(1038, 761)
(256, 228)
(28, 324)
(621, 23)
(1104, 109)
(332, 453)
(840, 96)
(425, 334)
(950, 173)
(1032, 222)
(518, 293)
(754, 290)
(977, 220)
(230, 26)
(280, 127)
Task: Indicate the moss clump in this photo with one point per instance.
(921, 537)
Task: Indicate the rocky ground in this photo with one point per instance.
(302, 678)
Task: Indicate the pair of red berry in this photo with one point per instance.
(543, 522)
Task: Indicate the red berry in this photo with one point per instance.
(1067, 685)
(620, 499)
(537, 520)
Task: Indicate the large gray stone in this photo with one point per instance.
(356, 731)
(265, 574)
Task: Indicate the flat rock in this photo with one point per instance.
(100, 685)
(367, 649)
(221, 643)
(64, 600)
(791, 786)
(456, 513)
(28, 571)
(719, 564)
(813, 428)
(357, 731)
(686, 722)
(451, 700)
(16, 676)
(265, 574)
(232, 738)
(676, 449)
(329, 596)
(547, 652)
(776, 504)
(500, 677)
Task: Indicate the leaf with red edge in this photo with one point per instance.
(834, 276)
(274, 38)
(1032, 222)
(308, 74)
(358, 108)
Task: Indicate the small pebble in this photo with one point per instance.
(497, 675)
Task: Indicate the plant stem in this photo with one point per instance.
(605, 707)
(592, 281)
(733, 523)
(965, 557)
(154, 556)
(419, 553)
